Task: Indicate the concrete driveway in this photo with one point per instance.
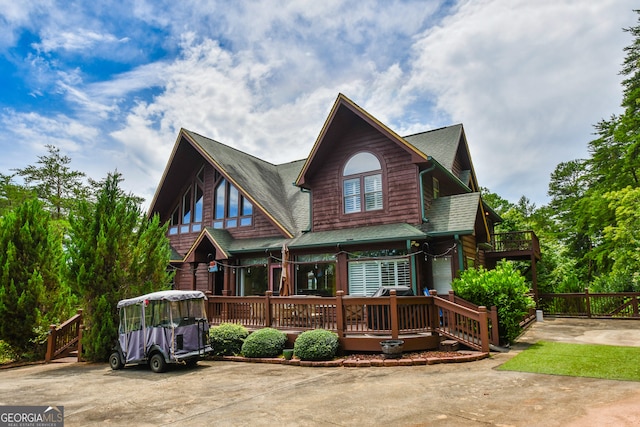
(243, 394)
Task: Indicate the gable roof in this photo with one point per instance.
(342, 113)
(268, 187)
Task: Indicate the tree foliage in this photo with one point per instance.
(55, 183)
(115, 252)
(12, 195)
(594, 206)
(503, 287)
(32, 292)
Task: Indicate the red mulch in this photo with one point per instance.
(405, 355)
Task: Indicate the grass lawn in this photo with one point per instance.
(578, 360)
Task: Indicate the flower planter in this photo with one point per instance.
(392, 349)
(287, 353)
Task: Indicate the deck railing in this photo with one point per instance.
(360, 322)
(587, 304)
(520, 241)
(65, 338)
(492, 315)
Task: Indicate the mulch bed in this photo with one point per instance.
(364, 360)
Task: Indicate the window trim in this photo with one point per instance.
(361, 194)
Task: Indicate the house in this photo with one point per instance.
(367, 208)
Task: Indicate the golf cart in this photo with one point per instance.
(162, 328)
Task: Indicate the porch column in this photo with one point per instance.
(534, 278)
(194, 271)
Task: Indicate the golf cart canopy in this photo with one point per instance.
(162, 296)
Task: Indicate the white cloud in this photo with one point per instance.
(528, 79)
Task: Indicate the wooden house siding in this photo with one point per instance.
(469, 250)
(400, 186)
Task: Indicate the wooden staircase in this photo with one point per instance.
(65, 341)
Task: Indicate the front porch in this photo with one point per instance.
(361, 322)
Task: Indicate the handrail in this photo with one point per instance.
(354, 316)
(65, 338)
(515, 241)
(623, 305)
(492, 313)
(463, 324)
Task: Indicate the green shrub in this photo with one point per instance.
(318, 344)
(6, 353)
(267, 342)
(504, 288)
(227, 339)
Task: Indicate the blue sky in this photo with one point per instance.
(112, 83)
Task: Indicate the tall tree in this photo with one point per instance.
(115, 252)
(54, 181)
(30, 270)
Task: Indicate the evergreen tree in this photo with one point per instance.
(115, 252)
(55, 183)
(30, 270)
(12, 195)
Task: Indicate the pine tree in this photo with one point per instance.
(56, 184)
(30, 270)
(115, 252)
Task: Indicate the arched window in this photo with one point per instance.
(362, 183)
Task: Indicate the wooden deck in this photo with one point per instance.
(360, 322)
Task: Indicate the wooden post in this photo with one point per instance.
(587, 302)
(484, 328)
(452, 296)
(51, 339)
(340, 314)
(434, 321)
(267, 308)
(393, 313)
(80, 329)
(534, 278)
(194, 271)
(495, 331)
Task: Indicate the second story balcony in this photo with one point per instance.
(514, 245)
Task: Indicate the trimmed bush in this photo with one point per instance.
(267, 342)
(318, 344)
(227, 339)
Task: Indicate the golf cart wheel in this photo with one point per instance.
(115, 362)
(157, 363)
(192, 363)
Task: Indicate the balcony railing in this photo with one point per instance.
(516, 241)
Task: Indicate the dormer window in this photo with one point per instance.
(362, 183)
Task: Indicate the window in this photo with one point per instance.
(362, 183)
(316, 275)
(365, 277)
(253, 277)
(231, 208)
(188, 215)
